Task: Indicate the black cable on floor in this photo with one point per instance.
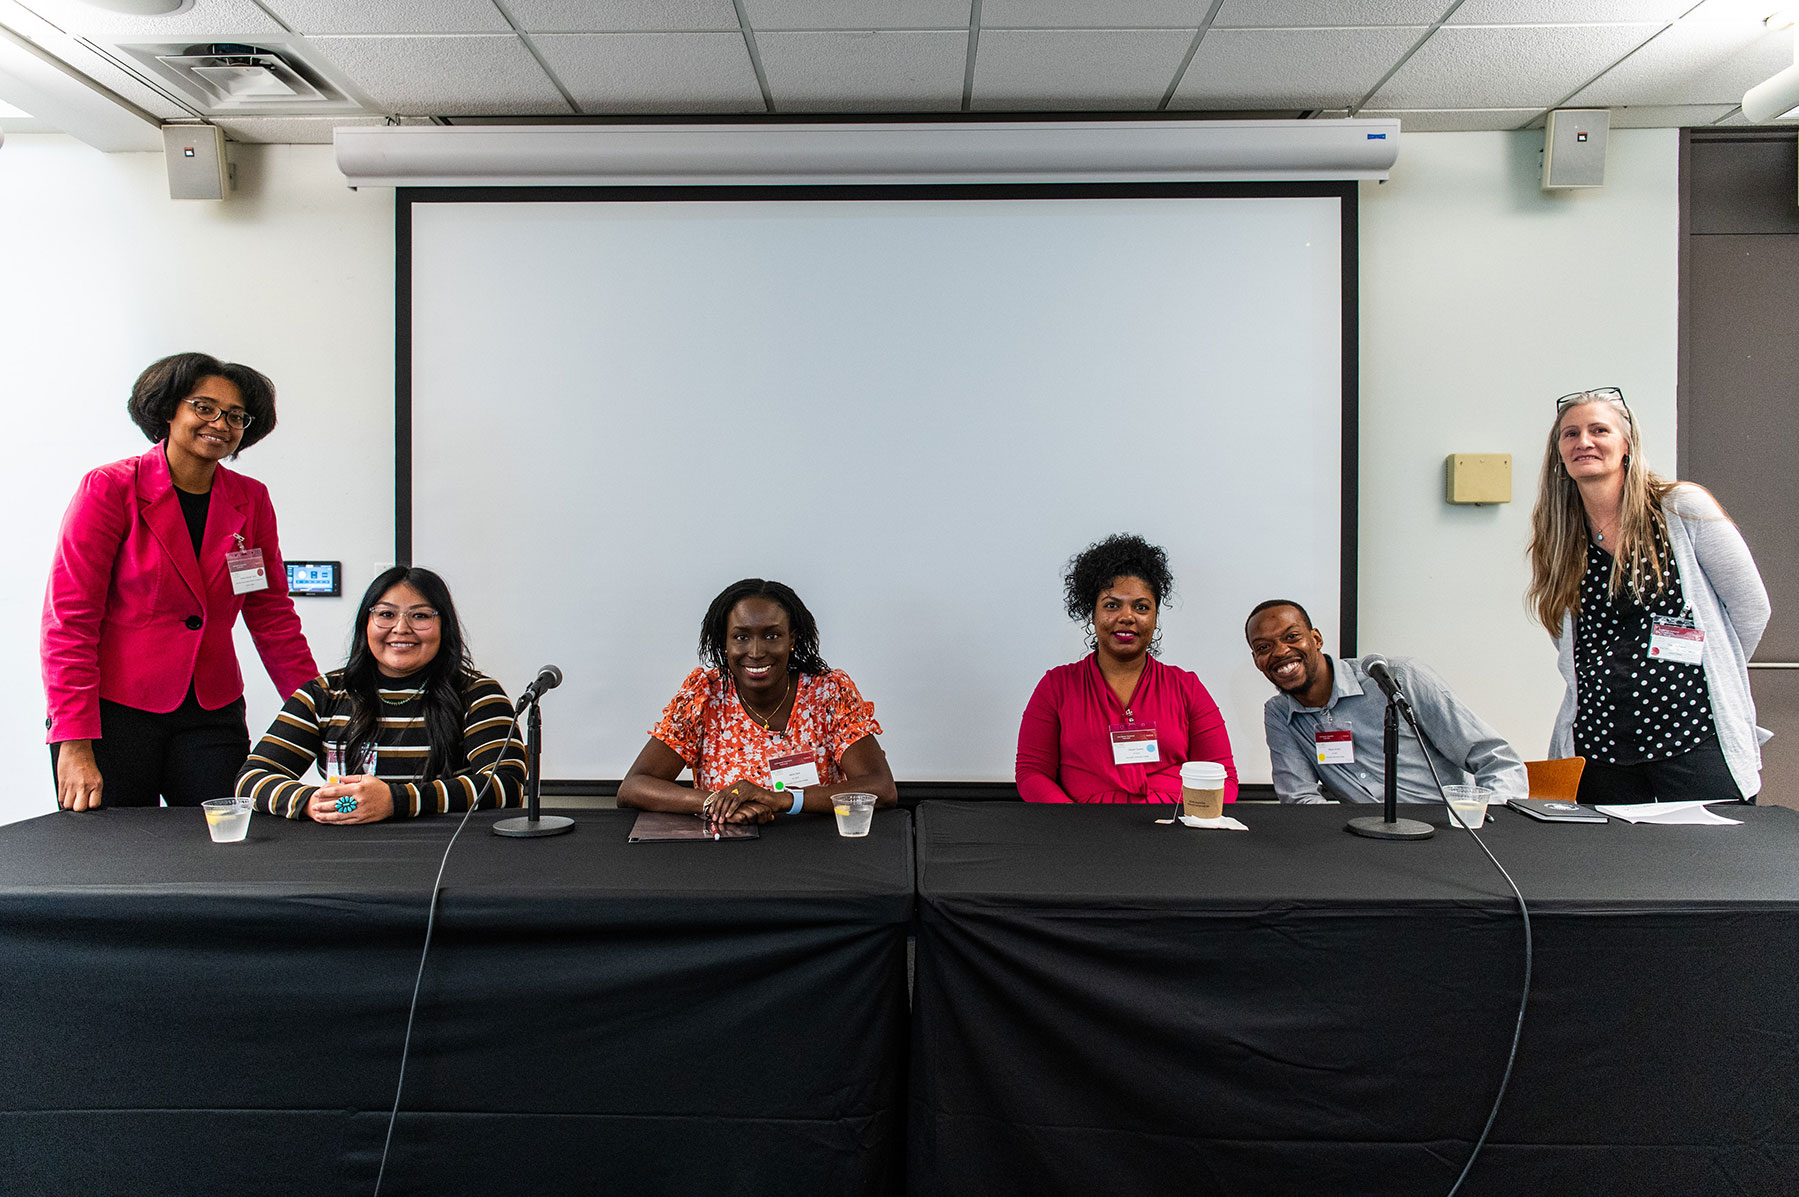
(1523, 998)
(430, 923)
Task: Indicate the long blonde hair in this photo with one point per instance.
(1558, 527)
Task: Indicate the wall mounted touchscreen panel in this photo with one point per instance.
(912, 411)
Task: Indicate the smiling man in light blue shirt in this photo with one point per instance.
(1324, 728)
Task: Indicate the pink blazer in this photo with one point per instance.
(130, 615)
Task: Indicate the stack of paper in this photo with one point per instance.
(1667, 813)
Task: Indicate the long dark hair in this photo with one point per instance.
(805, 657)
(165, 383)
(442, 680)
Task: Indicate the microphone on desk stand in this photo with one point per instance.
(1392, 827)
(529, 825)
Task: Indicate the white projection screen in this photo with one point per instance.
(911, 406)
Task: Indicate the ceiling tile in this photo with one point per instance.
(1511, 67)
(1675, 116)
(206, 19)
(1084, 14)
(857, 14)
(390, 16)
(470, 76)
(1695, 62)
(1024, 70)
(1455, 120)
(654, 72)
(1290, 68)
(864, 72)
(1566, 12)
(1326, 14)
(623, 16)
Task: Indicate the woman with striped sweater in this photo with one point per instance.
(407, 727)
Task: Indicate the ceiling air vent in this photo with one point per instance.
(231, 78)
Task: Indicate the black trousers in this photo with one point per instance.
(1699, 775)
(184, 757)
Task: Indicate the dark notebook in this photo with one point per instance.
(1553, 810)
(656, 826)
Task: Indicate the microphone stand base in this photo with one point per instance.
(1384, 829)
(525, 827)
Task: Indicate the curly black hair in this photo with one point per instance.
(805, 658)
(167, 382)
(1119, 556)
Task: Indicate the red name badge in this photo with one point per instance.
(798, 771)
(1334, 747)
(1135, 746)
(1674, 640)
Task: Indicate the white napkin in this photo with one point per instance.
(1667, 814)
(1221, 823)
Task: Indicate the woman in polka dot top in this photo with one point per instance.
(1656, 606)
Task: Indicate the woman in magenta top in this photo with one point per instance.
(1116, 725)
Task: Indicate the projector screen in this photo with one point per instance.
(912, 408)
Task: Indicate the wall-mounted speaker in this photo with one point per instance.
(1574, 148)
(195, 155)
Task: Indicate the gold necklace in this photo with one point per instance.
(775, 710)
(406, 696)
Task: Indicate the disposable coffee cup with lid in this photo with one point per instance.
(1202, 789)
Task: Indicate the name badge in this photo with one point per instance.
(1334, 747)
(1135, 745)
(246, 569)
(798, 771)
(334, 763)
(1676, 640)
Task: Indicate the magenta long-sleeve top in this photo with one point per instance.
(1065, 742)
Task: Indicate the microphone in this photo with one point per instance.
(1392, 827)
(548, 678)
(1377, 668)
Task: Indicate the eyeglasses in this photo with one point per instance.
(387, 617)
(237, 417)
(1596, 395)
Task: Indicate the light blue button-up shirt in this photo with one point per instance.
(1458, 741)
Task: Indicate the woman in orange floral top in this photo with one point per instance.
(769, 729)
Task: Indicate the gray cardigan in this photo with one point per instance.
(1720, 582)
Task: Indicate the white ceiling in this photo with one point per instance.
(1433, 64)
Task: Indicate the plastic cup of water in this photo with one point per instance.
(228, 819)
(854, 813)
(1469, 804)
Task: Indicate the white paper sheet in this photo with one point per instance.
(1668, 814)
(1221, 823)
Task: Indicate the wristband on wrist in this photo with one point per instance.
(799, 801)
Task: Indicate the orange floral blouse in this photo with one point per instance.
(708, 728)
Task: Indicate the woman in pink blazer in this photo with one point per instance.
(158, 555)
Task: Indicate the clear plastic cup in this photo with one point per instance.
(1469, 804)
(855, 812)
(227, 819)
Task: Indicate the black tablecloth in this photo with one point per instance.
(597, 1016)
(1107, 1005)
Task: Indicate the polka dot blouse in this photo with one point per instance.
(1633, 709)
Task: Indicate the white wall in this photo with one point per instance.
(102, 273)
(1482, 300)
